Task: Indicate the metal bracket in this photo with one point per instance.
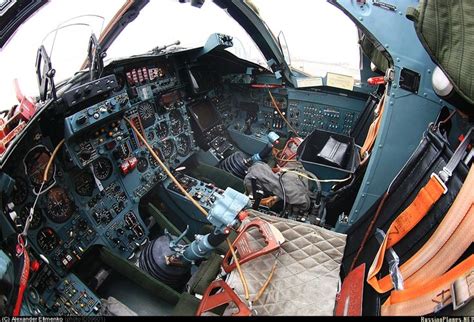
(174, 241)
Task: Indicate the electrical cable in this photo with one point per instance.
(317, 180)
(239, 269)
(284, 192)
(279, 111)
(194, 202)
(269, 278)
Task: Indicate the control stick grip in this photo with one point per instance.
(272, 139)
(265, 151)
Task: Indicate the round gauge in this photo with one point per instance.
(20, 191)
(177, 122)
(183, 145)
(47, 239)
(59, 206)
(151, 159)
(35, 164)
(162, 130)
(150, 135)
(37, 216)
(146, 111)
(84, 184)
(167, 149)
(142, 164)
(103, 168)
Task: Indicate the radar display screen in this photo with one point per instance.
(205, 115)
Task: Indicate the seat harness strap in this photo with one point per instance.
(413, 214)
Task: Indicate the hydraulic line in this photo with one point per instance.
(190, 198)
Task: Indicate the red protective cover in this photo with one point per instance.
(225, 296)
(243, 249)
(349, 301)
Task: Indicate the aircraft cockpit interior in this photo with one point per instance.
(189, 181)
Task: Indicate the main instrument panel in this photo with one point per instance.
(93, 191)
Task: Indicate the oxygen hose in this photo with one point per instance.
(194, 202)
(51, 159)
(279, 112)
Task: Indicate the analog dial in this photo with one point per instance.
(47, 239)
(142, 164)
(167, 149)
(151, 159)
(177, 122)
(183, 145)
(35, 165)
(102, 168)
(146, 111)
(84, 184)
(20, 191)
(162, 130)
(37, 216)
(59, 206)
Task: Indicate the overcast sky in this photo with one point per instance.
(315, 31)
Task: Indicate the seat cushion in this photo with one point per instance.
(306, 277)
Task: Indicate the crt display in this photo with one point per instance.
(205, 115)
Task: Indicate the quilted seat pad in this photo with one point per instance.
(306, 278)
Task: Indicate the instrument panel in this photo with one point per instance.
(95, 184)
(251, 114)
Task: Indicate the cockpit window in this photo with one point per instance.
(159, 23)
(166, 21)
(17, 57)
(320, 38)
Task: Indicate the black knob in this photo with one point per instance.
(87, 89)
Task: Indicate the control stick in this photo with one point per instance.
(169, 259)
(272, 140)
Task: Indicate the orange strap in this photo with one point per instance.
(447, 244)
(405, 222)
(455, 286)
(373, 129)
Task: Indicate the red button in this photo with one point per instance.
(35, 265)
(124, 168)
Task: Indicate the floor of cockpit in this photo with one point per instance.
(141, 301)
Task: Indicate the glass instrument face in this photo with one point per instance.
(35, 164)
(59, 206)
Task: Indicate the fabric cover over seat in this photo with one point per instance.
(306, 278)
